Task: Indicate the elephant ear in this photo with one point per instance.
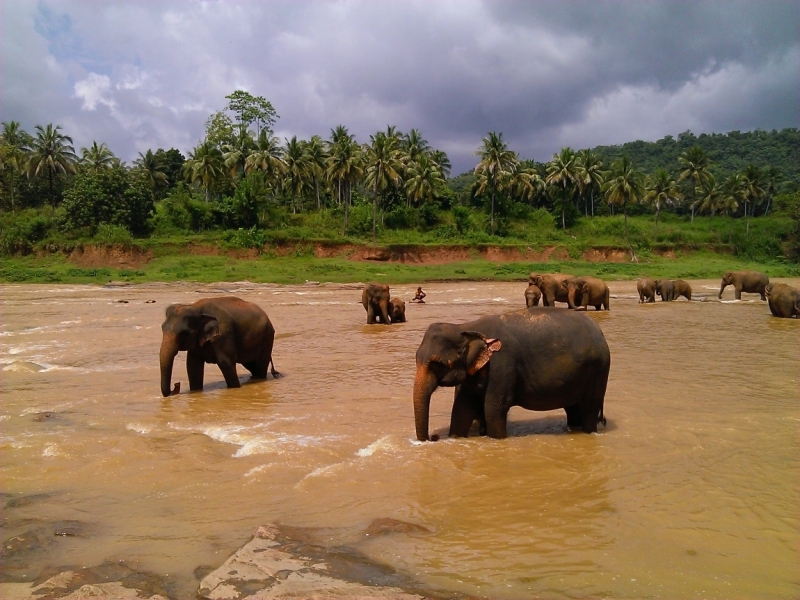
(479, 350)
(210, 330)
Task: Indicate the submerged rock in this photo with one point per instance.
(275, 564)
(24, 366)
(385, 526)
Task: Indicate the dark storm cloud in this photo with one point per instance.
(547, 74)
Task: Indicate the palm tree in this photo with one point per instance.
(623, 187)
(731, 196)
(496, 159)
(696, 165)
(524, 180)
(563, 173)
(415, 145)
(235, 155)
(51, 152)
(662, 190)
(205, 166)
(441, 160)
(590, 174)
(383, 163)
(424, 180)
(297, 170)
(315, 159)
(771, 175)
(344, 165)
(98, 158)
(754, 190)
(710, 197)
(152, 168)
(267, 156)
(17, 144)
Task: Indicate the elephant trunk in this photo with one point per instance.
(169, 350)
(722, 289)
(571, 298)
(424, 385)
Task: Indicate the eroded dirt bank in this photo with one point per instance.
(133, 256)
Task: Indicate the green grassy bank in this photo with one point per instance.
(179, 266)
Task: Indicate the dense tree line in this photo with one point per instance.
(241, 175)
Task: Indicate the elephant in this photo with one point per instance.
(681, 288)
(784, 300)
(588, 291)
(665, 289)
(752, 282)
(550, 286)
(221, 331)
(397, 310)
(538, 358)
(376, 301)
(646, 287)
(532, 296)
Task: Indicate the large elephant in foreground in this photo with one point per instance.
(586, 291)
(376, 301)
(550, 286)
(221, 331)
(537, 358)
(784, 300)
(752, 282)
(646, 286)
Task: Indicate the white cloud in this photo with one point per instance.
(93, 90)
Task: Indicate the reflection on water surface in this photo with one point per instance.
(690, 491)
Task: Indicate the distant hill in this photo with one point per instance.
(730, 152)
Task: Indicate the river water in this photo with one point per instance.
(691, 491)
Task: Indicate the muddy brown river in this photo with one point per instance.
(690, 491)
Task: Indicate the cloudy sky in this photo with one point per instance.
(141, 74)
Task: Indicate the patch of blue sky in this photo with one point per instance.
(62, 41)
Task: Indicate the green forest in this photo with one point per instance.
(242, 187)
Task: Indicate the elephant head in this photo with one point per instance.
(538, 281)
(446, 357)
(184, 328)
(574, 287)
(727, 280)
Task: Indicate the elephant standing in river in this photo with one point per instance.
(532, 296)
(550, 286)
(376, 301)
(665, 289)
(221, 331)
(784, 300)
(586, 291)
(752, 282)
(397, 310)
(681, 288)
(646, 287)
(536, 358)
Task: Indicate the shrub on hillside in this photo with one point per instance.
(113, 197)
(401, 217)
(21, 233)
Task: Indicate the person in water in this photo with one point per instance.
(419, 296)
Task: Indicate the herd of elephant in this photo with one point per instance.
(538, 358)
(581, 292)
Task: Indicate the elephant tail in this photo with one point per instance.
(275, 373)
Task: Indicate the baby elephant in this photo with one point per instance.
(646, 287)
(397, 310)
(532, 296)
(784, 300)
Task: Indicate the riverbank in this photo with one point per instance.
(299, 262)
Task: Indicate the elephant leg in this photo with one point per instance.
(592, 404)
(763, 295)
(495, 407)
(574, 415)
(385, 315)
(737, 292)
(194, 369)
(228, 368)
(465, 411)
(370, 314)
